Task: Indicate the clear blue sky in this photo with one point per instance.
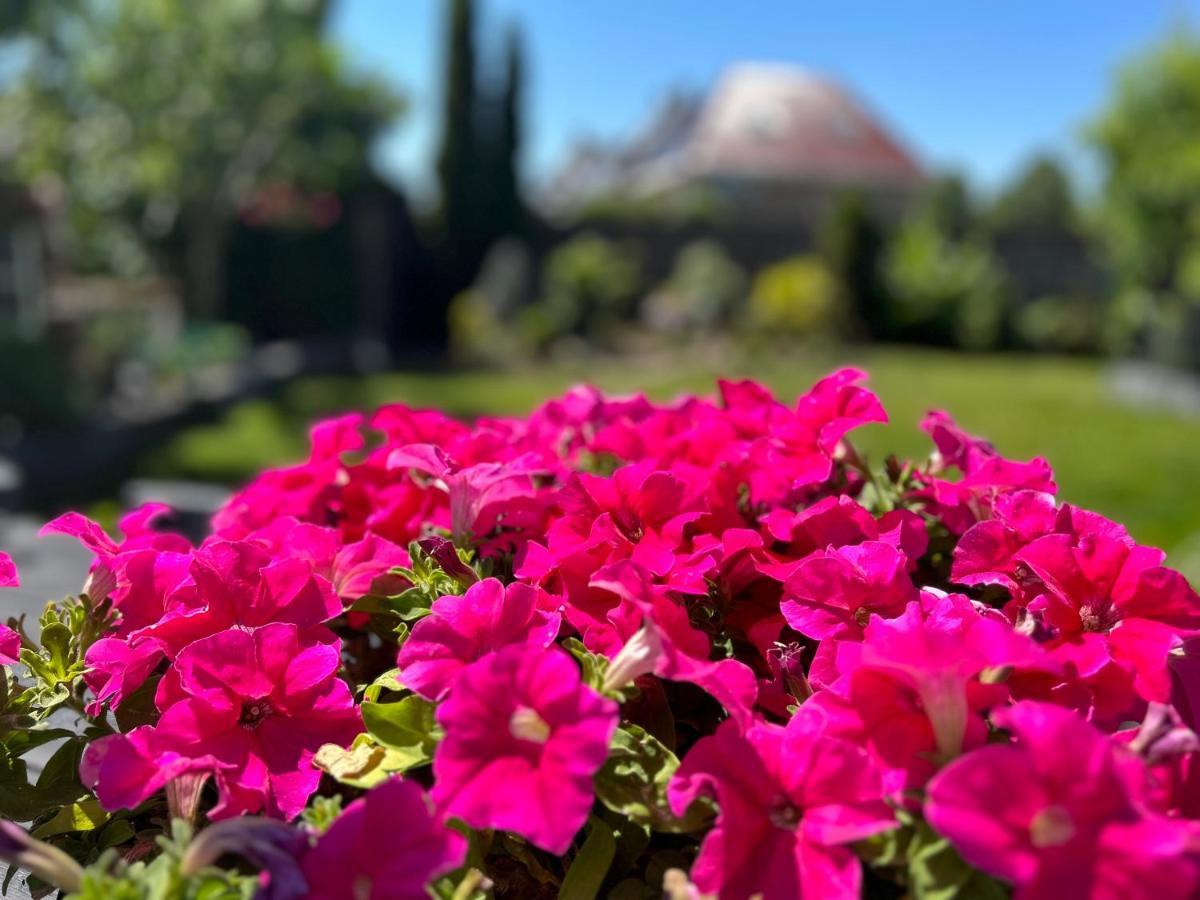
(978, 85)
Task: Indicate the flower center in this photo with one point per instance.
(783, 813)
(253, 713)
(1097, 617)
(862, 617)
(1051, 827)
(526, 725)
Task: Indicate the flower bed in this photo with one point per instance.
(616, 649)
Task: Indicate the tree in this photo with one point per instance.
(1148, 141)
(1039, 199)
(459, 161)
(510, 210)
(946, 204)
(852, 245)
(165, 117)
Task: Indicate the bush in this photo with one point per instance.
(702, 294)
(589, 286)
(796, 297)
(578, 652)
(1062, 325)
(944, 291)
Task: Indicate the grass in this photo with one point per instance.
(1136, 465)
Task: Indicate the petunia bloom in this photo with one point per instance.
(462, 629)
(524, 736)
(251, 707)
(791, 800)
(1060, 813)
(387, 845)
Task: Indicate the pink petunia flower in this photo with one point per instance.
(833, 594)
(934, 654)
(251, 707)
(791, 800)
(10, 640)
(8, 572)
(481, 496)
(1060, 814)
(462, 629)
(387, 845)
(1099, 585)
(524, 736)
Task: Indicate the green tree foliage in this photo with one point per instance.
(165, 116)
(1039, 199)
(703, 292)
(590, 286)
(478, 170)
(459, 159)
(947, 205)
(509, 208)
(944, 291)
(1148, 141)
(852, 244)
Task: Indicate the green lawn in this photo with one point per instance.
(1135, 465)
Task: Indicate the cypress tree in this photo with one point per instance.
(510, 217)
(458, 160)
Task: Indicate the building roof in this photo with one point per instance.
(761, 122)
(779, 121)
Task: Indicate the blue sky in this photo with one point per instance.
(977, 85)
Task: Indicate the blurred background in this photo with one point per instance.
(219, 220)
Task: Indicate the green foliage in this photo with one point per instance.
(427, 581)
(478, 156)
(932, 869)
(590, 285)
(588, 869)
(852, 245)
(944, 291)
(594, 670)
(703, 291)
(1148, 140)
(633, 782)
(56, 663)
(1038, 199)
(1062, 325)
(408, 725)
(401, 735)
(321, 812)
(163, 878)
(242, 94)
(796, 297)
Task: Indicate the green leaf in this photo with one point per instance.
(407, 724)
(138, 708)
(388, 681)
(633, 782)
(594, 668)
(86, 815)
(937, 872)
(590, 866)
(366, 763)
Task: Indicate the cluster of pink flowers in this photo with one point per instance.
(844, 660)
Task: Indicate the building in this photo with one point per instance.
(770, 144)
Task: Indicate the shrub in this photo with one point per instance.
(1062, 325)
(589, 285)
(703, 292)
(602, 644)
(944, 291)
(795, 297)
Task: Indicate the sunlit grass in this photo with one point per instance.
(1137, 465)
